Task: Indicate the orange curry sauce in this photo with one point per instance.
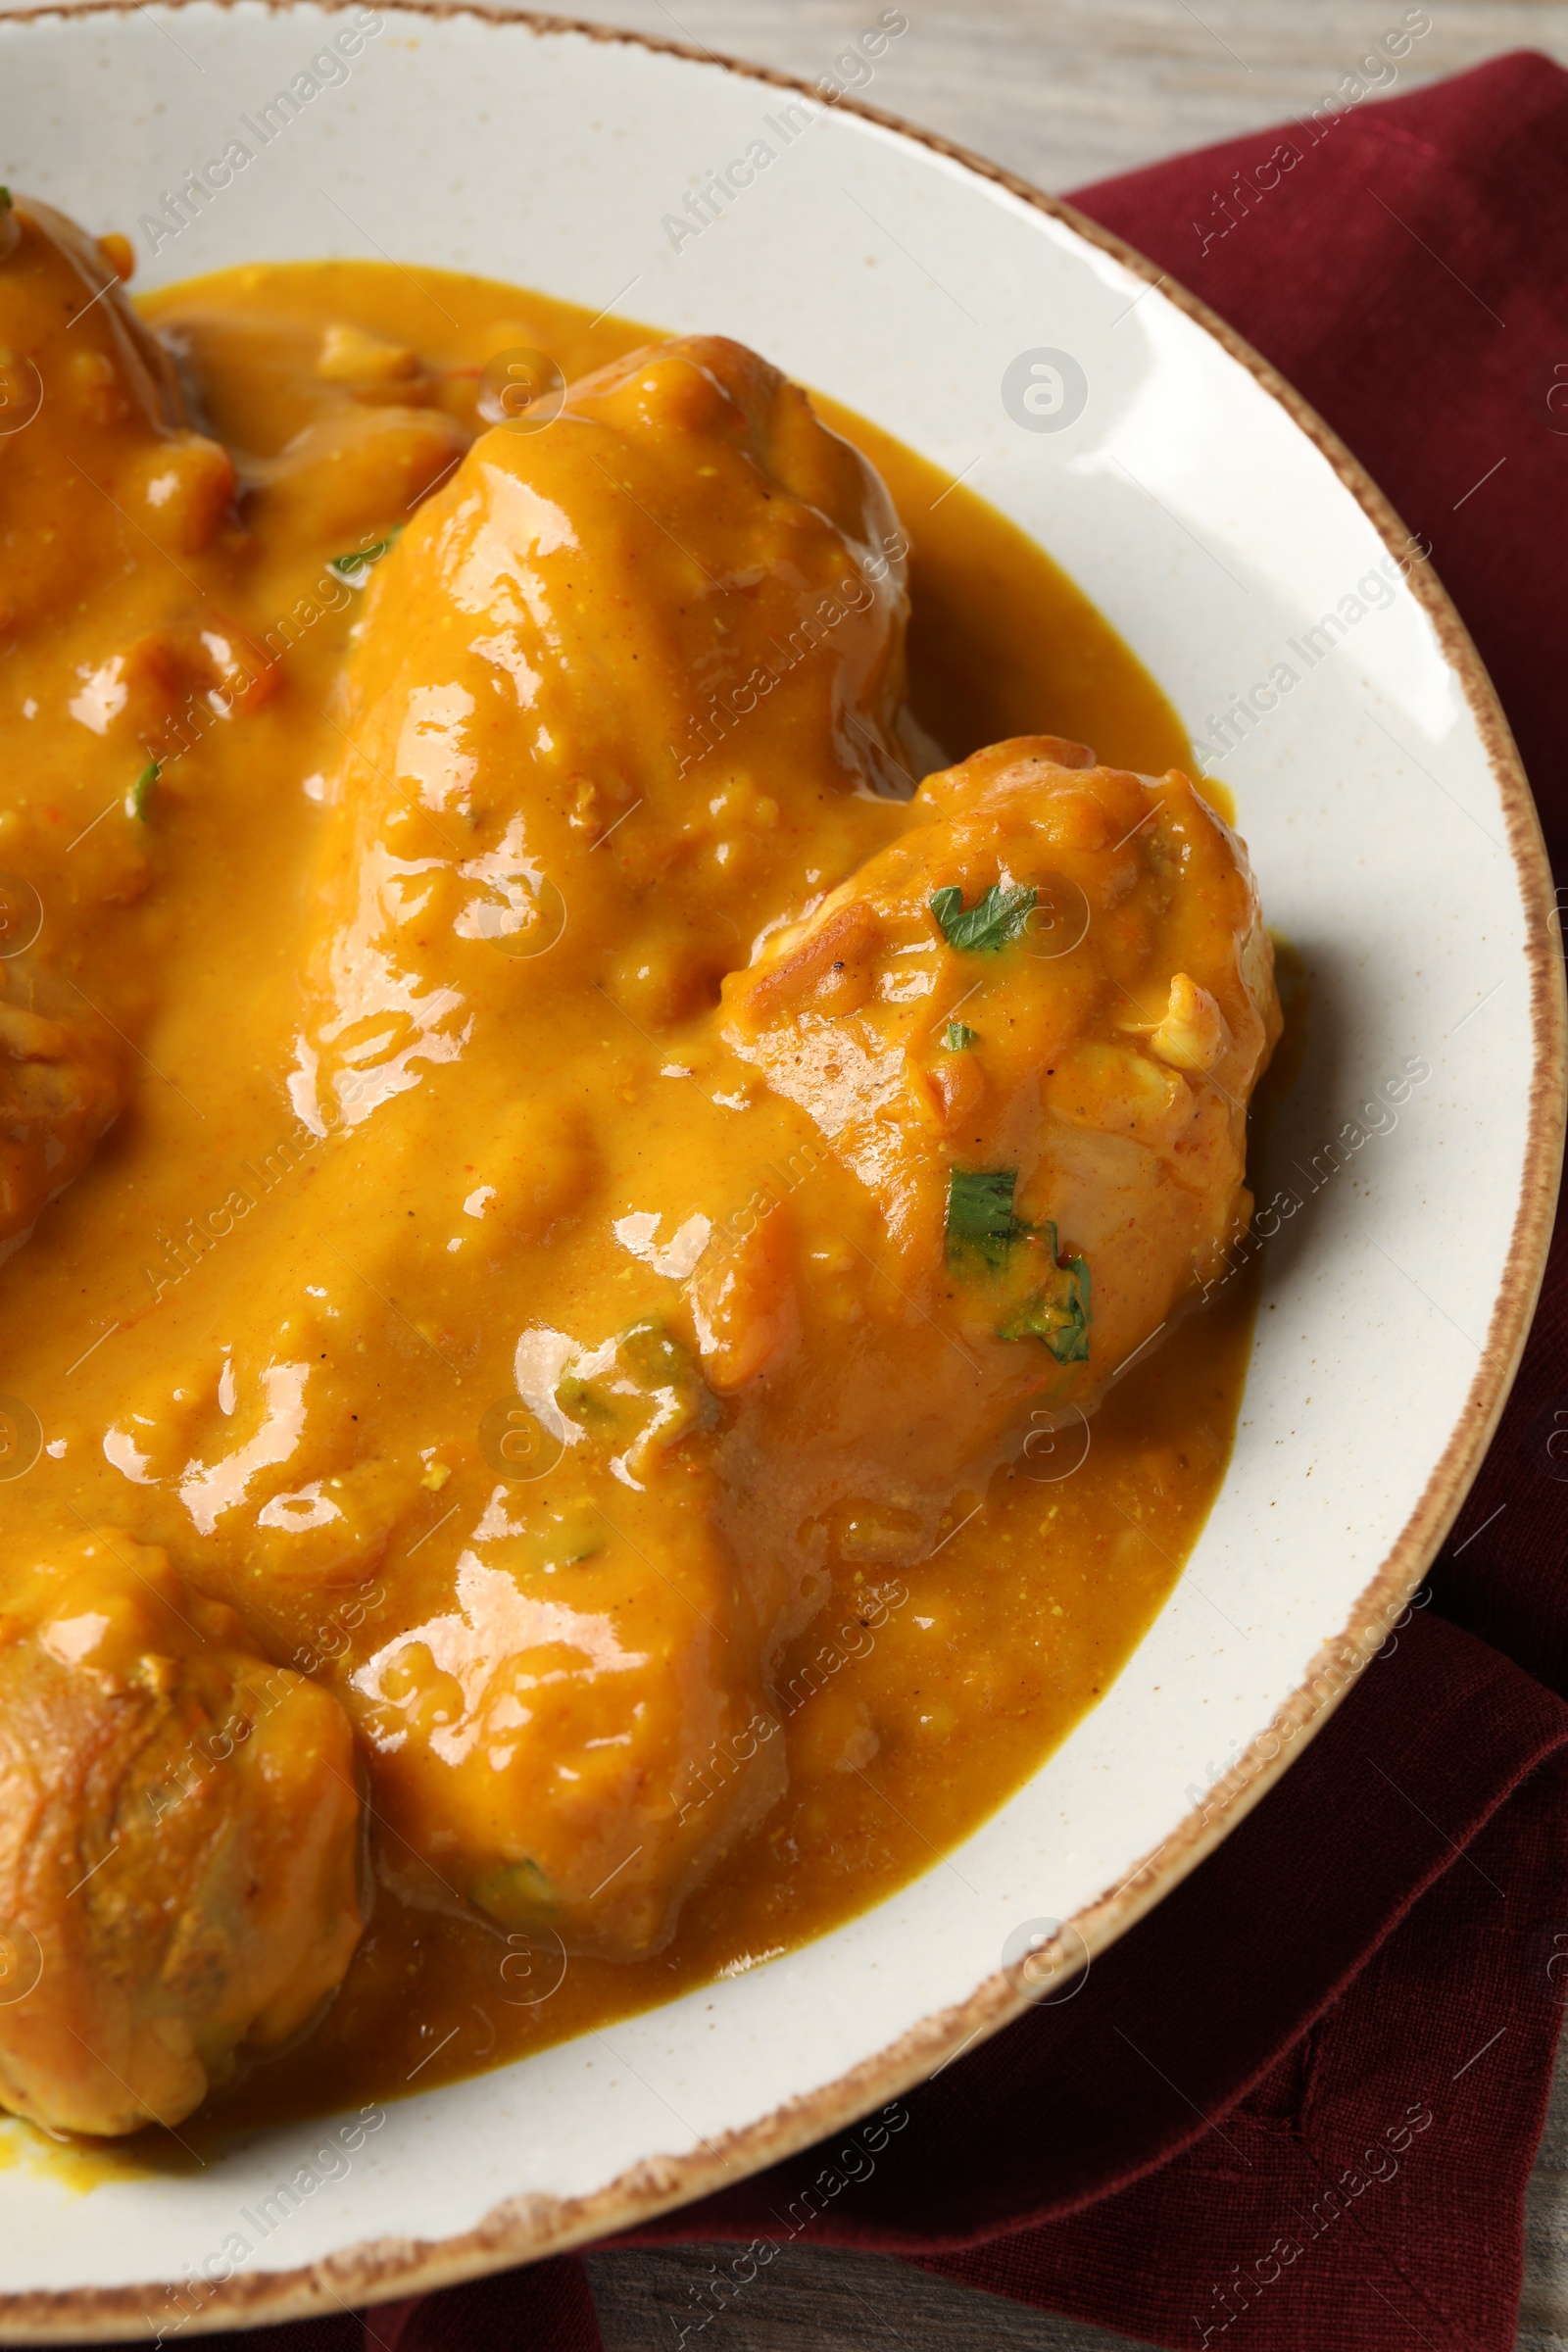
(290, 1362)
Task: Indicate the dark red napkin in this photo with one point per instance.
(1302, 2099)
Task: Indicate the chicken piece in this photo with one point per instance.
(99, 476)
(96, 458)
(547, 1697)
(350, 469)
(581, 1733)
(1030, 1030)
(674, 620)
(64, 1078)
(179, 1844)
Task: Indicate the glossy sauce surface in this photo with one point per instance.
(241, 1225)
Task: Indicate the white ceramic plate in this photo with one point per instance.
(1215, 521)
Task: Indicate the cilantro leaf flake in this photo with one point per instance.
(957, 1039)
(1058, 1311)
(139, 799)
(983, 1225)
(995, 917)
(980, 1218)
(355, 568)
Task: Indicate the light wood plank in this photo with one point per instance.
(1066, 93)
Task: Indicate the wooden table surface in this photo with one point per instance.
(1063, 91)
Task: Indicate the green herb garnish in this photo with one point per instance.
(651, 1396)
(349, 567)
(994, 919)
(139, 799)
(1057, 1312)
(656, 1358)
(583, 1399)
(982, 1224)
(956, 1039)
(980, 1218)
(513, 1893)
(5, 200)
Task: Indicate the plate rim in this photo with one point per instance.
(527, 2227)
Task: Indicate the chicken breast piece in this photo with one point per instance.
(96, 468)
(97, 447)
(1029, 1030)
(674, 617)
(179, 1844)
(64, 1078)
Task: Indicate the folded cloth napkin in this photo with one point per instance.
(1301, 2100)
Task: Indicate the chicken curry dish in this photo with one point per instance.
(623, 1043)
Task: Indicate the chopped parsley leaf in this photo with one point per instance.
(956, 1039)
(990, 923)
(982, 1224)
(139, 799)
(980, 1218)
(355, 566)
(1058, 1311)
(514, 1892)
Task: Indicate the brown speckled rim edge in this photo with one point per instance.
(525, 2228)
